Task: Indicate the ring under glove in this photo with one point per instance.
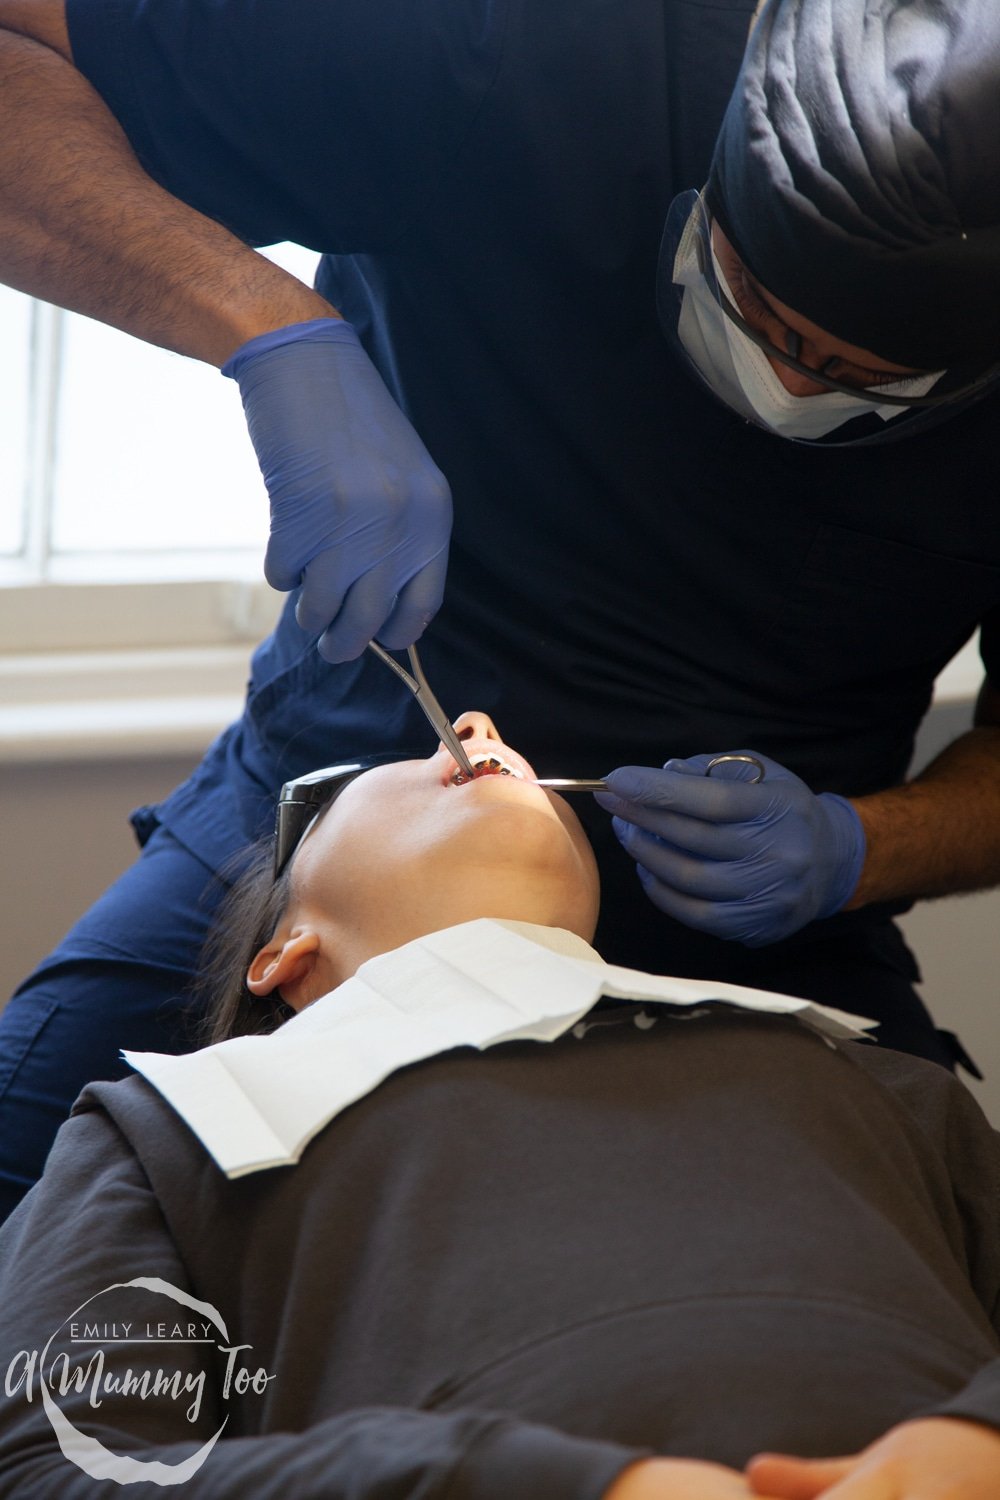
(360, 513)
(753, 862)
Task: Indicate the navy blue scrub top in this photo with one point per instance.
(635, 572)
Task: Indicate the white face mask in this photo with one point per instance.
(739, 372)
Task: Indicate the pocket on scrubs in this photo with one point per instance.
(23, 1024)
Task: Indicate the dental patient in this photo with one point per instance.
(678, 1252)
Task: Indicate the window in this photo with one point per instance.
(122, 463)
(133, 521)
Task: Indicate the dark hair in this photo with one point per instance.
(243, 924)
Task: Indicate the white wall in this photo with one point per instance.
(65, 838)
(957, 943)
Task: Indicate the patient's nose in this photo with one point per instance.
(476, 726)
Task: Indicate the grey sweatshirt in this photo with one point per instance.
(511, 1274)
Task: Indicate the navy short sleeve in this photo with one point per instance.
(327, 124)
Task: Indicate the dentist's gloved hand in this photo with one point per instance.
(752, 862)
(360, 514)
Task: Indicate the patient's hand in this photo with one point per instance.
(937, 1458)
(680, 1479)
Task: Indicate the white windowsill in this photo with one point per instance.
(118, 705)
(180, 682)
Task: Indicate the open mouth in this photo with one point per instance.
(486, 765)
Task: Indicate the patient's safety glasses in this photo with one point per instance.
(301, 801)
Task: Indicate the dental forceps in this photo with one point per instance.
(420, 688)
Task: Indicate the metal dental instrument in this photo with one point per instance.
(420, 688)
(746, 760)
(571, 784)
(580, 784)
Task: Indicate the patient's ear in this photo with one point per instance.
(284, 963)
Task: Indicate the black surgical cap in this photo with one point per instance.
(857, 172)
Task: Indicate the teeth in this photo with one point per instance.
(487, 765)
(493, 761)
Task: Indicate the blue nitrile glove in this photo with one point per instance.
(749, 862)
(360, 514)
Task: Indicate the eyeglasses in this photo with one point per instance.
(790, 355)
(301, 801)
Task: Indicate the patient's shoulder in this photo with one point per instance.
(938, 1101)
(153, 1130)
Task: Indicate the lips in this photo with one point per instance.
(489, 758)
(486, 765)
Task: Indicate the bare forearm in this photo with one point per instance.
(82, 225)
(939, 833)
